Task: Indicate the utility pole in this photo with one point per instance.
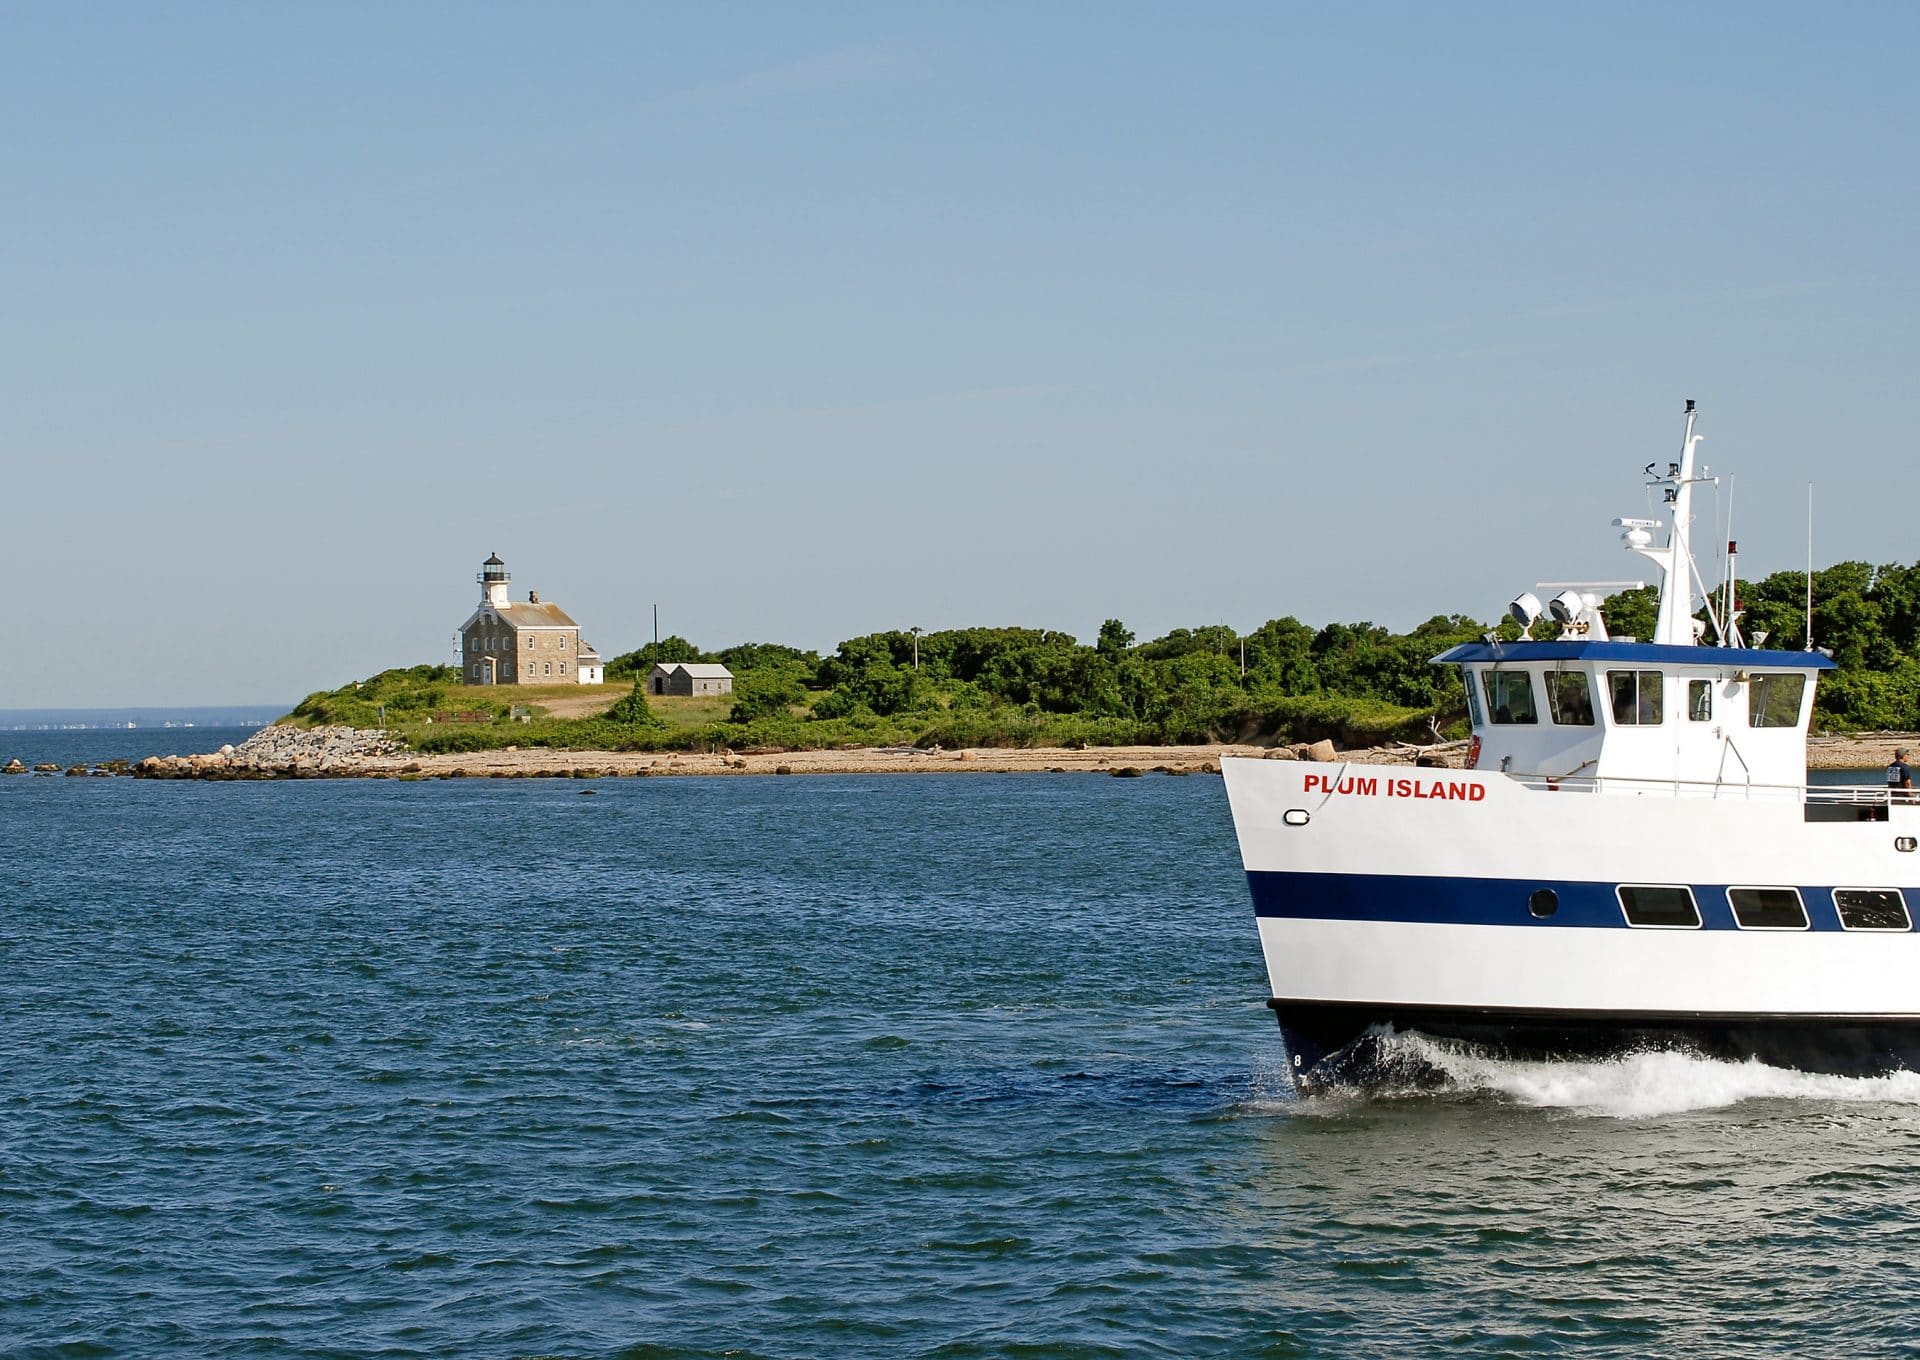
(916, 630)
(1243, 658)
(656, 625)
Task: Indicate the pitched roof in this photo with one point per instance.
(697, 670)
(522, 614)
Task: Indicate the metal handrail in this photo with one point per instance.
(1865, 795)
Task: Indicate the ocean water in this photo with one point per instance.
(927, 1065)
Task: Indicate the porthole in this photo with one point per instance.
(1543, 903)
(1659, 905)
(1871, 909)
(1767, 908)
(1295, 817)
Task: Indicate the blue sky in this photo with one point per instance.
(803, 321)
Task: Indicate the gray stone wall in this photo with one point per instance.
(536, 665)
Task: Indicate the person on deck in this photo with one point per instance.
(1900, 777)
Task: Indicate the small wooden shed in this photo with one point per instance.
(690, 678)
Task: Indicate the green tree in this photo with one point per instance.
(665, 652)
(633, 710)
(1115, 638)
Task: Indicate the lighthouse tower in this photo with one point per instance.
(493, 580)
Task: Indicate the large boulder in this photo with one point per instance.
(1322, 751)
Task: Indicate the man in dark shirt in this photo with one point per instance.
(1900, 777)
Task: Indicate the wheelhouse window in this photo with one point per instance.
(1636, 697)
(1774, 700)
(1871, 909)
(1474, 715)
(1699, 701)
(1767, 908)
(1510, 697)
(1570, 699)
(1664, 905)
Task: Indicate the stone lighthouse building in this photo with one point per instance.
(524, 642)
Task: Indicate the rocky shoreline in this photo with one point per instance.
(284, 752)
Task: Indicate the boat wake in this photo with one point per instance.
(1632, 1086)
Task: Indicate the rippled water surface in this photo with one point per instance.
(931, 1065)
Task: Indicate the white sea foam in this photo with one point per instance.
(1642, 1085)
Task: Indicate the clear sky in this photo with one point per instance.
(804, 320)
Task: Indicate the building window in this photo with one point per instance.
(563, 668)
(1636, 697)
(1569, 699)
(1699, 701)
(549, 668)
(1767, 908)
(1664, 905)
(1510, 697)
(1774, 700)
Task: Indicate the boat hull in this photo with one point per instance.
(1340, 1044)
(1494, 916)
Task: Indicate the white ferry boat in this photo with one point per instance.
(1634, 858)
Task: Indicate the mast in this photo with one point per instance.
(1673, 627)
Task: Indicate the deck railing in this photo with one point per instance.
(1853, 795)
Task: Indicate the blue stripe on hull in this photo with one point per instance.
(1491, 901)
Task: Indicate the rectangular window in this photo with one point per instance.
(1774, 700)
(1473, 698)
(1636, 697)
(1666, 905)
(1767, 908)
(1871, 908)
(1569, 699)
(1699, 701)
(1510, 697)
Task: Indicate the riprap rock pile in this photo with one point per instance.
(279, 752)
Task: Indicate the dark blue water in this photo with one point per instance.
(924, 1065)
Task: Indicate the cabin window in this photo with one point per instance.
(1569, 699)
(1774, 700)
(1510, 697)
(1543, 902)
(1636, 697)
(1474, 715)
(1667, 905)
(1871, 908)
(1767, 908)
(1699, 701)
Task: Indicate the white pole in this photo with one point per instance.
(1809, 566)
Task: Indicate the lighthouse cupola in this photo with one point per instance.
(493, 579)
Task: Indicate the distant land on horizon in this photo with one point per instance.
(81, 719)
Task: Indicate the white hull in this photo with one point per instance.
(1377, 905)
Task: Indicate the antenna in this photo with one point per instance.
(1809, 566)
(1731, 574)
